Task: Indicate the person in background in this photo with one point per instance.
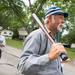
(40, 56)
(2, 43)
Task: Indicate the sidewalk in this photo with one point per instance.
(69, 69)
(9, 60)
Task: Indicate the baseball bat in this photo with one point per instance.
(62, 55)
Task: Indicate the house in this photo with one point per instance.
(7, 33)
(22, 33)
(73, 45)
(1, 28)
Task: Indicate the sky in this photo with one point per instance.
(27, 2)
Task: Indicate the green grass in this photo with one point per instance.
(71, 53)
(15, 43)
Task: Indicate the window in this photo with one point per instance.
(5, 32)
(10, 33)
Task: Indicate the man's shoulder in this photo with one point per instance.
(1, 36)
(36, 32)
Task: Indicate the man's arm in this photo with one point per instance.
(30, 59)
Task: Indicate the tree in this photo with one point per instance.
(11, 14)
(70, 38)
(15, 14)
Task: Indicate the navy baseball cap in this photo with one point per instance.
(54, 10)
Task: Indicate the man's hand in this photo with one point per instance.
(56, 50)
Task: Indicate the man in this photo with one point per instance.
(40, 56)
(2, 40)
(2, 43)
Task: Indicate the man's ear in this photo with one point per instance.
(53, 18)
(49, 18)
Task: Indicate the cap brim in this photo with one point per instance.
(61, 13)
(65, 14)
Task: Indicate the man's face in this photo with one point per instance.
(57, 22)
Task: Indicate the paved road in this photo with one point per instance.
(9, 61)
(69, 69)
(10, 58)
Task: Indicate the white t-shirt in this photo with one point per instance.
(2, 40)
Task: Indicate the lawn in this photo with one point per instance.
(15, 43)
(71, 53)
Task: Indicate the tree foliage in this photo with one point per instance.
(70, 37)
(11, 14)
(15, 14)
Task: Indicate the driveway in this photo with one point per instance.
(9, 60)
(69, 69)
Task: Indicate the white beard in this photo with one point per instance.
(59, 28)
